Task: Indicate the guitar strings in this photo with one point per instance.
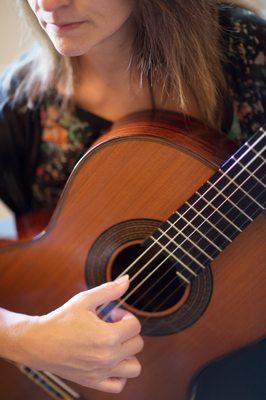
(257, 155)
(197, 269)
(167, 298)
(170, 282)
(190, 206)
(129, 295)
(223, 174)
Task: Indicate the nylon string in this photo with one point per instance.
(190, 206)
(157, 267)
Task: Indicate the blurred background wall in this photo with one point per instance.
(14, 39)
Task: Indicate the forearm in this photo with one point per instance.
(12, 330)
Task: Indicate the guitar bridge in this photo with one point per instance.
(51, 384)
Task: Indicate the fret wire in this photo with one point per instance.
(223, 215)
(250, 172)
(251, 205)
(235, 177)
(134, 277)
(202, 222)
(172, 255)
(205, 207)
(161, 291)
(181, 276)
(145, 265)
(253, 146)
(258, 138)
(206, 220)
(196, 229)
(177, 272)
(256, 141)
(236, 155)
(244, 191)
(230, 201)
(256, 212)
(148, 263)
(179, 247)
(180, 231)
(260, 132)
(246, 152)
(191, 241)
(260, 160)
(121, 302)
(251, 154)
(228, 198)
(208, 229)
(157, 267)
(254, 151)
(134, 262)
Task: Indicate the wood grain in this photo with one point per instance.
(142, 171)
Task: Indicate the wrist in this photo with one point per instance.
(14, 329)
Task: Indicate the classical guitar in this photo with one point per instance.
(149, 199)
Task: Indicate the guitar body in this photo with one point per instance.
(114, 199)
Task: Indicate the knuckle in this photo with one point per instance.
(107, 359)
(107, 339)
(111, 339)
(79, 297)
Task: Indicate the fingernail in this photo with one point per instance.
(122, 279)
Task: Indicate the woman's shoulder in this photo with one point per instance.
(242, 27)
(243, 34)
(13, 76)
(15, 116)
(19, 138)
(239, 14)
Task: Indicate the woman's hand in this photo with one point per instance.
(75, 344)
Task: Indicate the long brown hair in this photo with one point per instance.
(177, 43)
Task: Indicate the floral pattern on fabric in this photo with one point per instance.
(65, 137)
(247, 81)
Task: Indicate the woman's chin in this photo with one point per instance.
(68, 49)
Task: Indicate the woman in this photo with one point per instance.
(100, 60)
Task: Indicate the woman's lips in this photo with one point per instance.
(60, 28)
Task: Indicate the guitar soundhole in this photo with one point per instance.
(164, 305)
(155, 287)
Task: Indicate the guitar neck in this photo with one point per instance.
(218, 212)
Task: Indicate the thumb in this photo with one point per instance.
(107, 292)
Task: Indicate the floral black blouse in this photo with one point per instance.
(63, 137)
(39, 148)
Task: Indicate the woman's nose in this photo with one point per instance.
(52, 5)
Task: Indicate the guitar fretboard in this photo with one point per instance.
(217, 213)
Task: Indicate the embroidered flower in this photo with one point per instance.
(55, 134)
